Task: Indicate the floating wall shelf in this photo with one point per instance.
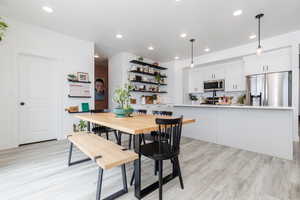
(148, 64)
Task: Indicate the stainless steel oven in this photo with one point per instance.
(214, 85)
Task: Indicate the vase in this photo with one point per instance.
(120, 112)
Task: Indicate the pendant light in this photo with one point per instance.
(259, 48)
(192, 54)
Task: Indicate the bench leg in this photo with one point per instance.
(99, 184)
(70, 157)
(117, 194)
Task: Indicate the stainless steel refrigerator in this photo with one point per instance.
(270, 89)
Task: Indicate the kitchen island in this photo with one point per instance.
(261, 129)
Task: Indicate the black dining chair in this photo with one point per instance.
(99, 130)
(165, 148)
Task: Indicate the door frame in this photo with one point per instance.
(59, 129)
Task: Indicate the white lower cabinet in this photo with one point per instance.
(266, 131)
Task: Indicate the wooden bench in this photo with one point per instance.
(105, 154)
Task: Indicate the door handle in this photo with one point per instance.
(22, 103)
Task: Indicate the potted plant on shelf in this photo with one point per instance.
(122, 98)
(158, 78)
(3, 28)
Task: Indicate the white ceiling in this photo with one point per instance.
(158, 22)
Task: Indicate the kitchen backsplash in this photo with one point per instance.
(235, 95)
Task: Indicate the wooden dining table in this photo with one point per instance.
(136, 125)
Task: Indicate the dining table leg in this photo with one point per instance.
(137, 167)
(88, 126)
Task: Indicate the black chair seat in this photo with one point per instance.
(101, 129)
(156, 151)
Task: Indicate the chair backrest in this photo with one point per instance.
(140, 111)
(170, 132)
(155, 112)
(166, 113)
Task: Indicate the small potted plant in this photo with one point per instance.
(158, 78)
(82, 125)
(193, 98)
(3, 28)
(122, 98)
(72, 77)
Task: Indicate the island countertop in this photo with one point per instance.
(234, 106)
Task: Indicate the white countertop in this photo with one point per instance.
(234, 106)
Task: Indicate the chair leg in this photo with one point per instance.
(99, 184)
(160, 179)
(107, 135)
(116, 136)
(130, 140)
(132, 178)
(143, 139)
(179, 173)
(155, 167)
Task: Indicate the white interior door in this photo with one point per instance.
(38, 99)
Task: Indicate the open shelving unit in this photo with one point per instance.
(147, 64)
(75, 81)
(153, 92)
(150, 83)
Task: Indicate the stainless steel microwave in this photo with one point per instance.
(214, 85)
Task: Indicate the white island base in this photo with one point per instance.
(258, 129)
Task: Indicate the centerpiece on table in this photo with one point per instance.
(122, 98)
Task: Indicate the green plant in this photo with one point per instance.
(3, 28)
(82, 125)
(72, 76)
(122, 96)
(158, 78)
(193, 97)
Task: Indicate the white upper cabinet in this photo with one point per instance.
(274, 61)
(216, 72)
(234, 77)
(195, 81)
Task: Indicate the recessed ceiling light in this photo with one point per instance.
(96, 56)
(183, 35)
(151, 48)
(251, 37)
(47, 9)
(177, 0)
(176, 58)
(119, 36)
(207, 49)
(237, 12)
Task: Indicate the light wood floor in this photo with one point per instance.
(210, 172)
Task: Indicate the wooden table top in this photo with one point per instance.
(138, 124)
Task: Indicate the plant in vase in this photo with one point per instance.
(122, 98)
(158, 78)
(3, 28)
(82, 125)
(193, 98)
(72, 77)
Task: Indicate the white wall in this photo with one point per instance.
(73, 55)
(286, 40)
